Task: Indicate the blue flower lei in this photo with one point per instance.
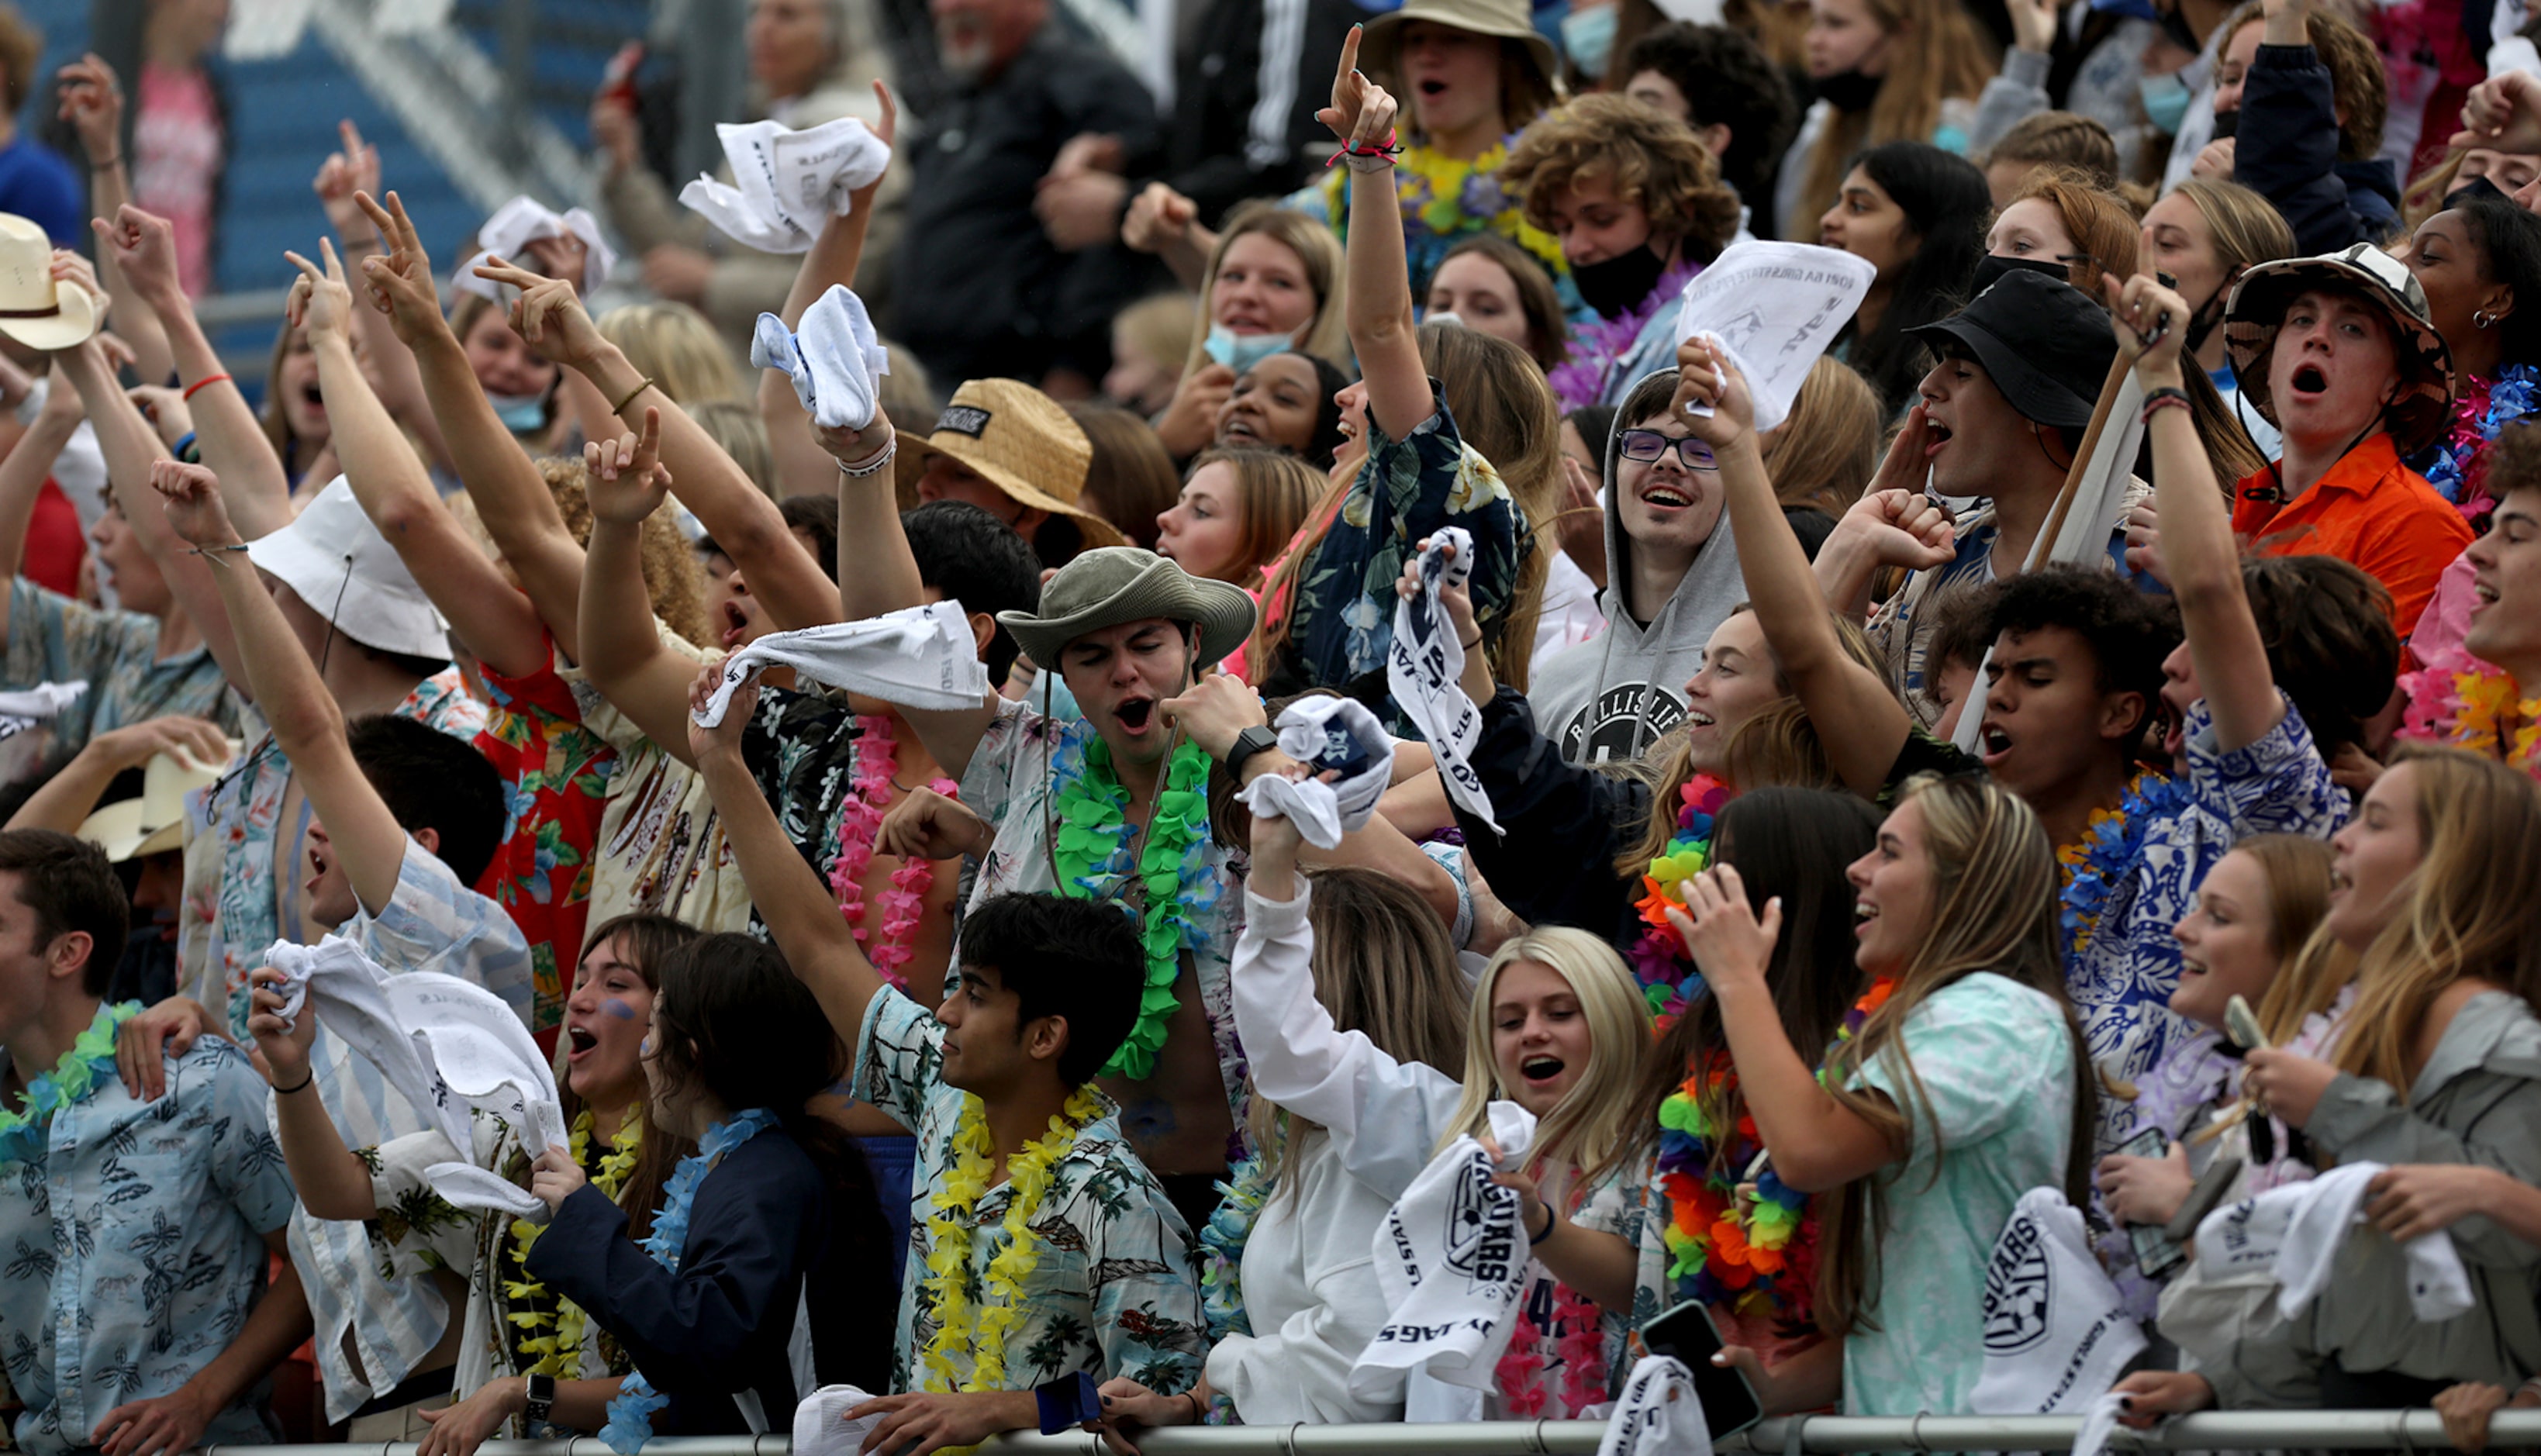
(630, 1413)
(72, 1079)
(1222, 1239)
(2478, 416)
(2108, 850)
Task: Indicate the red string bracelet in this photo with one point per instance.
(200, 384)
(1386, 148)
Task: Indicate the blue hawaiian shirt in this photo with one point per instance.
(135, 1247)
(54, 640)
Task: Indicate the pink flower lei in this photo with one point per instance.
(859, 820)
(1579, 1337)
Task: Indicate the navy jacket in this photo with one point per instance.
(1564, 824)
(721, 1324)
(2287, 153)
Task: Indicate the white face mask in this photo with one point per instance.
(1241, 351)
(1588, 39)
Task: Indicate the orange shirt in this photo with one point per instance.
(2369, 510)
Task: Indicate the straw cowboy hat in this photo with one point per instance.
(2256, 311)
(347, 571)
(1381, 43)
(1112, 585)
(1018, 439)
(34, 310)
(155, 822)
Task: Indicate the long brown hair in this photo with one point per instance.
(1993, 910)
(1934, 55)
(1548, 330)
(1273, 492)
(644, 942)
(1827, 450)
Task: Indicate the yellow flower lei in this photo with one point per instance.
(980, 1329)
(2485, 699)
(560, 1354)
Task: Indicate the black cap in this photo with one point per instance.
(2045, 343)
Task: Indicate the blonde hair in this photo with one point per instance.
(1158, 328)
(1383, 967)
(1828, 447)
(739, 432)
(1317, 252)
(1274, 491)
(2061, 139)
(1592, 1129)
(2245, 228)
(1994, 909)
(674, 347)
(1934, 55)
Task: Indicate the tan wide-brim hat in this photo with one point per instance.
(34, 310)
(155, 822)
(1380, 46)
(1018, 439)
(1112, 585)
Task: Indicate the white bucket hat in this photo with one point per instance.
(34, 310)
(155, 822)
(348, 573)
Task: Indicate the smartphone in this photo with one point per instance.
(2241, 1024)
(2155, 1255)
(1730, 1404)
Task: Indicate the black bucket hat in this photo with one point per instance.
(2045, 345)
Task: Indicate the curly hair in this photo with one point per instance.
(2129, 633)
(1646, 156)
(2358, 92)
(672, 575)
(1726, 81)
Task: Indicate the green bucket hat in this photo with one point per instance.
(1112, 585)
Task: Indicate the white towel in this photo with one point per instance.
(42, 701)
(2295, 1231)
(1659, 1414)
(920, 657)
(448, 1047)
(1422, 664)
(2056, 1335)
(787, 184)
(835, 359)
(1451, 1260)
(521, 222)
(1792, 295)
(822, 1426)
(1326, 733)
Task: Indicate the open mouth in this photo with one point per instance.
(2190, 966)
(1936, 435)
(2308, 378)
(1433, 87)
(579, 1042)
(1666, 497)
(735, 624)
(1993, 743)
(1239, 426)
(1540, 1069)
(1136, 713)
(1699, 718)
(2484, 594)
(1864, 913)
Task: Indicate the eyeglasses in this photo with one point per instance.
(1650, 444)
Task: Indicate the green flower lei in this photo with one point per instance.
(72, 1079)
(1091, 852)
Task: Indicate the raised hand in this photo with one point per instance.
(1707, 378)
(93, 103)
(613, 128)
(1721, 931)
(549, 314)
(319, 302)
(925, 825)
(400, 281)
(347, 175)
(855, 447)
(555, 1177)
(71, 268)
(1904, 528)
(2033, 24)
(144, 249)
(2502, 113)
(725, 737)
(1457, 601)
(1158, 217)
(624, 477)
(1362, 112)
(1214, 711)
(2153, 325)
(285, 1048)
(196, 511)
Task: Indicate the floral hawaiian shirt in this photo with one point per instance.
(55, 639)
(556, 774)
(135, 1247)
(1115, 1292)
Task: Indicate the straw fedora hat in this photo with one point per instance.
(1381, 43)
(2422, 409)
(1111, 585)
(1021, 441)
(34, 310)
(154, 822)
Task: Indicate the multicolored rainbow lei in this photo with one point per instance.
(2094, 863)
(2461, 700)
(1659, 960)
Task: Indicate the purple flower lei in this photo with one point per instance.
(1596, 347)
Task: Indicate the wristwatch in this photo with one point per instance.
(542, 1400)
(1253, 740)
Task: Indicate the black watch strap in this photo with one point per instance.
(1254, 739)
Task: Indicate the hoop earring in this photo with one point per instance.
(2482, 317)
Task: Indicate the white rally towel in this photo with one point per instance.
(786, 184)
(822, 1426)
(2056, 1335)
(920, 657)
(1326, 733)
(42, 701)
(521, 222)
(2295, 1230)
(1659, 1414)
(835, 359)
(1772, 308)
(447, 1045)
(1422, 664)
(1451, 1260)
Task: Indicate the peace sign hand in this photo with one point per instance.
(319, 302)
(400, 281)
(549, 314)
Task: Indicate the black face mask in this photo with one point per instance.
(1617, 285)
(2202, 323)
(2477, 187)
(1990, 270)
(2228, 125)
(1848, 91)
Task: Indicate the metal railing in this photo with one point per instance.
(2213, 1430)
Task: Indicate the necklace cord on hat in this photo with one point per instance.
(327, 648)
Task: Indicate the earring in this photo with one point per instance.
(2482, 317)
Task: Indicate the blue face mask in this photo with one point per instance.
(2165, 100)
(1241, 351)
(521, 415)
(1588, 37)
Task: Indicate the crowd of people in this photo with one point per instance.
(998, 897)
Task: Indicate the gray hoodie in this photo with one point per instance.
(1613, 696)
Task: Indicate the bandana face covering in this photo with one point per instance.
(1616, 287)
(1241, 351)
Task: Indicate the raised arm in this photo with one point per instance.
(512, 498)
(799, 911)
(91, 101)
(350, 174)
(1378, 299)
(740, 517)
(232, 440)
(2197, 543)
(332, 1182)
(387, 476)
(22, 472)
(1859, 721)
(306, 724)
(70, 796)
(622, 648)
(802, 467)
